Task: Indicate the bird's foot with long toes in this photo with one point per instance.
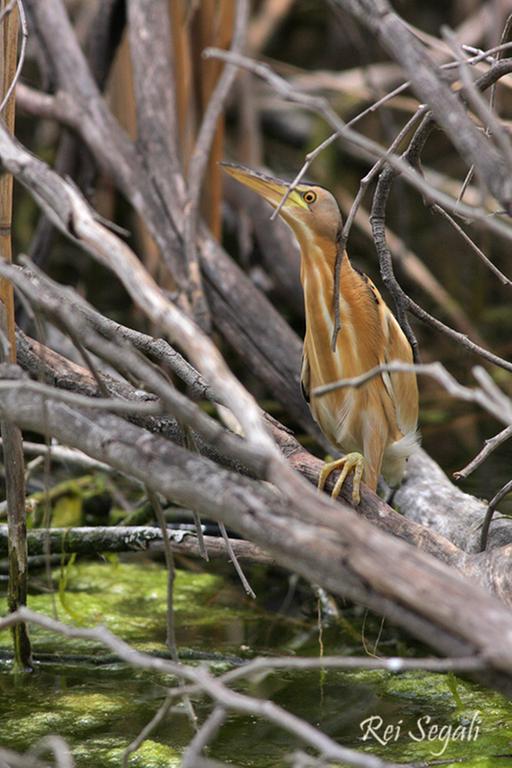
(352, 462)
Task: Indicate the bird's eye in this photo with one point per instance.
(309, 196)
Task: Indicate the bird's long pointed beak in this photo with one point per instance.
(271, 189)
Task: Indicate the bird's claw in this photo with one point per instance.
(351, 462)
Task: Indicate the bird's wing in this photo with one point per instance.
(305, 376)
(401, 387)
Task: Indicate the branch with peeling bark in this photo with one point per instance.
(91, 540)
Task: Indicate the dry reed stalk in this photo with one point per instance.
(195, 28)
(216, 29)
(11, 434)
(179, 12)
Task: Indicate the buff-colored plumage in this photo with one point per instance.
(376, 423)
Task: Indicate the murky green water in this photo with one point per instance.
(98, 704)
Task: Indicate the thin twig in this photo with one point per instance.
(490, 445)
(127, 538)
(203, 737)
(148, 729)
(83, 401)
(395, 664)
(234, 560)
(490, 513)
(321, 106)
(171, 572)
(363, 186)
(62, 453)
(501, 410)
(499, 274)
(474, 98)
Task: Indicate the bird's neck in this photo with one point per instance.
(318, 260)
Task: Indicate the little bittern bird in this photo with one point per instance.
(375, 425)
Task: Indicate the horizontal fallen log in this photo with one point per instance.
(91, 540)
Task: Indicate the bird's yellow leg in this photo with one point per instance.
(352, 462)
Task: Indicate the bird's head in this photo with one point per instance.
(311, 211)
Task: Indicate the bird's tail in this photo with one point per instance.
(396, 455)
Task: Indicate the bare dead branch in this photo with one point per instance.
(438, 372)
(101, 404)
(46, 296)
(322, 107)
(232, 556)
(504, 491)
(203, 737)
(61, 453)
(499, 274)
(426, 81)
(490, 445)
(75, 219)
(88, 540)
